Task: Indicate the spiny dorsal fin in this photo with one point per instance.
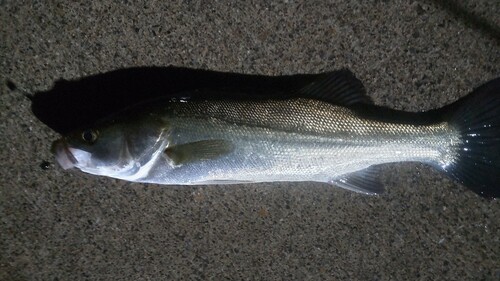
(365, 181)
(198, 151)
(338, 87)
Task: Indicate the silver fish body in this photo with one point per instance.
(191, 142)
(292, 140)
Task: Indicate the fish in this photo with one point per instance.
(328, 131)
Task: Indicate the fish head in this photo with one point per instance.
(117, 147)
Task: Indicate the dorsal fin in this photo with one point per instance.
(338, 87)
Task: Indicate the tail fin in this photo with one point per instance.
(477, 117)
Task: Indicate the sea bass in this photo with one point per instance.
(329, 131)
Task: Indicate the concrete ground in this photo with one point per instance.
(411, 55)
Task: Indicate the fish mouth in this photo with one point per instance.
(63, 154)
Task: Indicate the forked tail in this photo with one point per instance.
(477, 117)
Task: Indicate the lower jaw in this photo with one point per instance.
(63, 156)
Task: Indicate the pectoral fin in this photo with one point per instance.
(198, 151)
(365, 181)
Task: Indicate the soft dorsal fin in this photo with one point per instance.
(338, 87)
(365, 181)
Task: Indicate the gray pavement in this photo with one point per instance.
(411, 55)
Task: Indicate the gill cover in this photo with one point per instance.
(121, 146)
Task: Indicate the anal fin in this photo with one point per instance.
(365, 181)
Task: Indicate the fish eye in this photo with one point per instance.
(89, 136)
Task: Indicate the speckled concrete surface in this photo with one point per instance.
(412, 55)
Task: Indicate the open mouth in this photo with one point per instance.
(63, 154)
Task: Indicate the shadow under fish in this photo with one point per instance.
(189, 127)
(79, 103)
